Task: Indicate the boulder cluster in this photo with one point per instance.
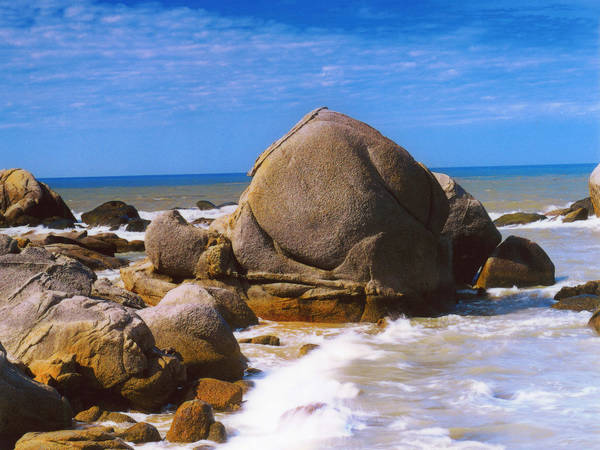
(339, 224)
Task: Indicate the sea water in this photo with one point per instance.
(505, 372)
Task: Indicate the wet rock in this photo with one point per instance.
(96, 438)
(305, 410)
(104, 288)
(519, 218)
(141, 278)
(204, 205)
(26, 405)
(24, 200)
(217, 433)
(517, 262)
(89, 258)
(221, 395)
(58, 223)
(470, 229)
(307, 348)
(576, 215)
(200, 335)
(113, 213)
(119, 244)
(97, 414)
(245, 385)
(336, 183)
(229, 304)
(8, 245)
(266, 339)
(141, 433)
(583, 302)
(138, 225)
(191, 422)
(589, 288)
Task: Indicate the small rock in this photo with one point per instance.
(266, 339)
(8, 245)
(140, 433)
(519, 218)
(217, 433)
(204, 205)
(97, 414)
(578, 214)
(307, 348)
(221, 395)
(253, 371)
(579, 303)
(138, 225)
(191, 422)
(591, 288)
(113, 213)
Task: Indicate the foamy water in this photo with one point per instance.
(504, 372)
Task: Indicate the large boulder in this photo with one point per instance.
(229, 304)
(113, 214)
(25, 200)
(198, 333)
(192, 422)
(341, 224)
(470, 229)
(517, 262)
(96, 438)
(26, 405)
(594, 185)
(86, 348)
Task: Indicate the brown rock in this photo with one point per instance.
(191, 422)
(217, 433)
(519, 218)
(266, 339)
(307, 348)
(590, 288)
(221, 395)
(140, 433)
(204, 205)
(594, 185)
(142, 279)
(23, 199)
(517, 262)
(578, 214)
(97, 414)
(245, 385)
(96, 438)
(579, 303)
(89, 258)
(113, 213)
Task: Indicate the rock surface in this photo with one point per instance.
(105, 289)
(517, 262)
(594, 185)
(519, 218)
(142, 279)
(198, 333)
(96, 438)
(191, 422)
(24, 200)
(26, 405)
(470, 229)
(97, 414)
(220, 395)
(329, 251)
(113, 213)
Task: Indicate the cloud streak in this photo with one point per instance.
(101, 64)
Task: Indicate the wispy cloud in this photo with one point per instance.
(94, 64)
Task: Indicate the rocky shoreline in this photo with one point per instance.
(360, 232)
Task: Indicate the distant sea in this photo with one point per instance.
(501, 188)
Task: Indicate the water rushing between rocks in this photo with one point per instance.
(504, 372)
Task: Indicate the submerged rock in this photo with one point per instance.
(26, 405)
(266, 339)
(27, 201)
(517, 262)
(113, 213)
(470, 229)
(307, 348)
(519, 218)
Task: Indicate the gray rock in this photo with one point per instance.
(470, 229)
(105, 289)
(200, 335)
(26, 405)
(8, 245)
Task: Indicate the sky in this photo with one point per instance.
(93, 88)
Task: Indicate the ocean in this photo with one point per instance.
(506, 372)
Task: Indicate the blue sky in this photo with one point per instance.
(115, 88)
